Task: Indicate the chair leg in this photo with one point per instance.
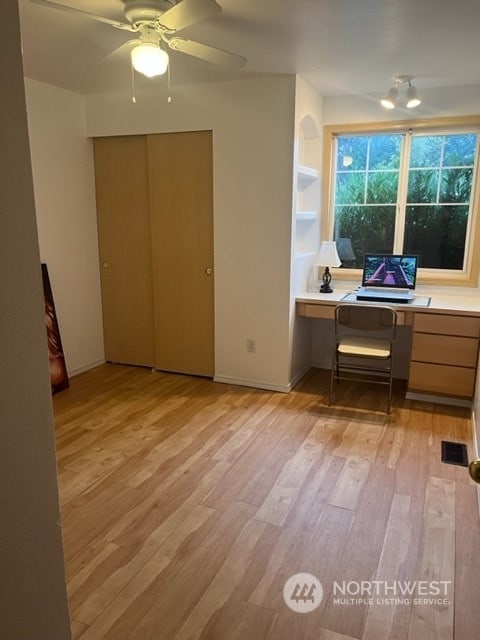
(334, 368)
(389, 402)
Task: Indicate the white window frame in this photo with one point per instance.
(469, 276)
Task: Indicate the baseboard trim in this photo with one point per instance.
(296, 379)
(256, 384)
(87, 367)
(427, 397)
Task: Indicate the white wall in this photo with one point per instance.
(252, 128)
(308, 151)
(33, 601)
(63, 177)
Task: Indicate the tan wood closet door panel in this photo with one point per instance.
(181, 209)
(121, 176)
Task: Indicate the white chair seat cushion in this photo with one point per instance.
(362, 346)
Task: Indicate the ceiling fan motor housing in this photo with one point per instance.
(141, 11)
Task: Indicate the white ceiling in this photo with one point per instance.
(342, 47)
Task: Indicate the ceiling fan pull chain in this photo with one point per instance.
(134, 99)
(169, 99)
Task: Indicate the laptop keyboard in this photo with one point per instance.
(382, 291)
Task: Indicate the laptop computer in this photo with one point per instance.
(388, 278)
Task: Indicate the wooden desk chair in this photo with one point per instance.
(358, 351)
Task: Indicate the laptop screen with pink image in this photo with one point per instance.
(388, 277)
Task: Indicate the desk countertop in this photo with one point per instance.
(461, 304)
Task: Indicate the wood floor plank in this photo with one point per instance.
(281, 499)
(103, 591)
(380, 617)
(145, 576)
(306, 518)
(254, 473)
(239, 620)
(350, 483)
(435, 621)
(363, 549)
(224, 583)
(187, 581)
(76, 628)
(325, 634)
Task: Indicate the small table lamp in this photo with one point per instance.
(327, 257)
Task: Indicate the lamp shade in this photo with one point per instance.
(149, 59)
(328, 256)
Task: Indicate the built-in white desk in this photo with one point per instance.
(445, 342)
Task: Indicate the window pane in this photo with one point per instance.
(370, 229)
(456, 185)
(352, 153)
(437, 234)
(426, 151)
(385, 152)
(350, 188)
(459, 150)
(382, 187)
(422, 185)
(368, 203)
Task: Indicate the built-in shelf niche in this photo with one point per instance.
(307, 209)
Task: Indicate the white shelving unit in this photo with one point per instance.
(307, 215)
(307, 210)
(306, 175)
(306, 202)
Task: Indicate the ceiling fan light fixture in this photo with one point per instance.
(149, 59)
(390, 100)
(412, 98)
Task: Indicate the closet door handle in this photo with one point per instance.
(208, 271)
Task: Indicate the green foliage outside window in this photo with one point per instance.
(437, 200)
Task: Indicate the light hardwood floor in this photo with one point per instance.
(187, 505)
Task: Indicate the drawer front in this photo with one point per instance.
(320, 311)
(448, 325)
(328, 311)
(441, 379)
(445, 349)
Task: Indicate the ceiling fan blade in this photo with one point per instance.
(207, 53)
(188, 12)
(85, 14)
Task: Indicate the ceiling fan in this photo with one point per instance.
(156, 22)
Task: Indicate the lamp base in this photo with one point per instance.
(326, 278)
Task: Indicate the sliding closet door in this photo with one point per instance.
(181, 210)
(121, 176)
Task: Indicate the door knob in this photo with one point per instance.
(474, 470)
(208, 271)
(105, 265)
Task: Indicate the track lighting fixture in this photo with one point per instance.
(390, 100)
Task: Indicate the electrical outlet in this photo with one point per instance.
(251, 345)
